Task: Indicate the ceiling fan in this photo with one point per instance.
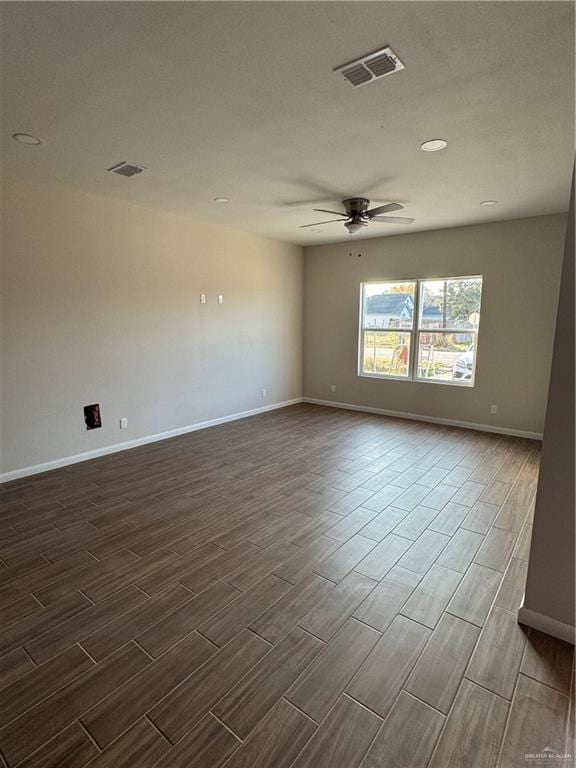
(357, 215)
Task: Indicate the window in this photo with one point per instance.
(424, 330)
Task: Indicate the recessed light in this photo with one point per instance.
(489, 202)
(433, 145)
(27, 138)
(221, 199)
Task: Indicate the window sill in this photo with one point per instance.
(406, 379)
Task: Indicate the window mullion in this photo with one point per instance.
(414, 334)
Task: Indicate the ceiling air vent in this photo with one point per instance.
(371, 67)
(127, 169)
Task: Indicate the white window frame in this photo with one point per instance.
(415, 331)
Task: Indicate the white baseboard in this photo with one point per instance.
(430, 419)
(546, 624)
(15, 474)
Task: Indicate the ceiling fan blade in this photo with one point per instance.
(323, 210)
(392, 219)
(318, 223)
(384, 209)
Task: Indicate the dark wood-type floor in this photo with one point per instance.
(311, 588)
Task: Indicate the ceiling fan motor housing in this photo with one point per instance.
(356, 207)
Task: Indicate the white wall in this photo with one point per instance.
(520, 261)
(101, 304)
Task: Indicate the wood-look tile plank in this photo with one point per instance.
(246, 609)
(411, 497)
(71, 748)
(473, 731)
(407, 737)
(469, 493)
(449, 519)
(496, 492)
(77, 579)
(382, 557)
(383, 603)
(461, 550)
(21, 737)
(340, 602)
(381, 677)
(342, 739)
(141, 746)
(379, 480)
(457, 475)
(438, 672)
(416, 522)
(511, 590)
(39, 622)
(514, 510)
(424, 552)
(538, 720)
(384, 523)
(108, 719)
(383, 498)
(318, 688)
(18, 570)
(26, 692)
(351, 524)
(522, 548)
(83, 624)
(301, 565)
(433, 476)
(496, 549)
(262, 565)
(403, 576)
(351, 501)
(44, 577)
(276, 741)
(177, 568)
(19, 609)
(474, 596)
(208, 745)
(192, 699)
(438, 497)
(170, 629)
(480, 517)
(256, 693)
(205, 575)
(342, 560)
(295, 602)
(431, 596)
(13, 666)
(548, 660)
(498, 655)
(113, 635)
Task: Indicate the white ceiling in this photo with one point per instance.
(239, 100)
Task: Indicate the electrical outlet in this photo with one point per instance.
(332, 387)
(202, 298)
(263, 393)
(123, 423)
(493, 409)
(220, 299)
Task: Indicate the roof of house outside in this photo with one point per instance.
(396, 304)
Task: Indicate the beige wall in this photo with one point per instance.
(550, 580)
(101, 304)
(520, 262)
